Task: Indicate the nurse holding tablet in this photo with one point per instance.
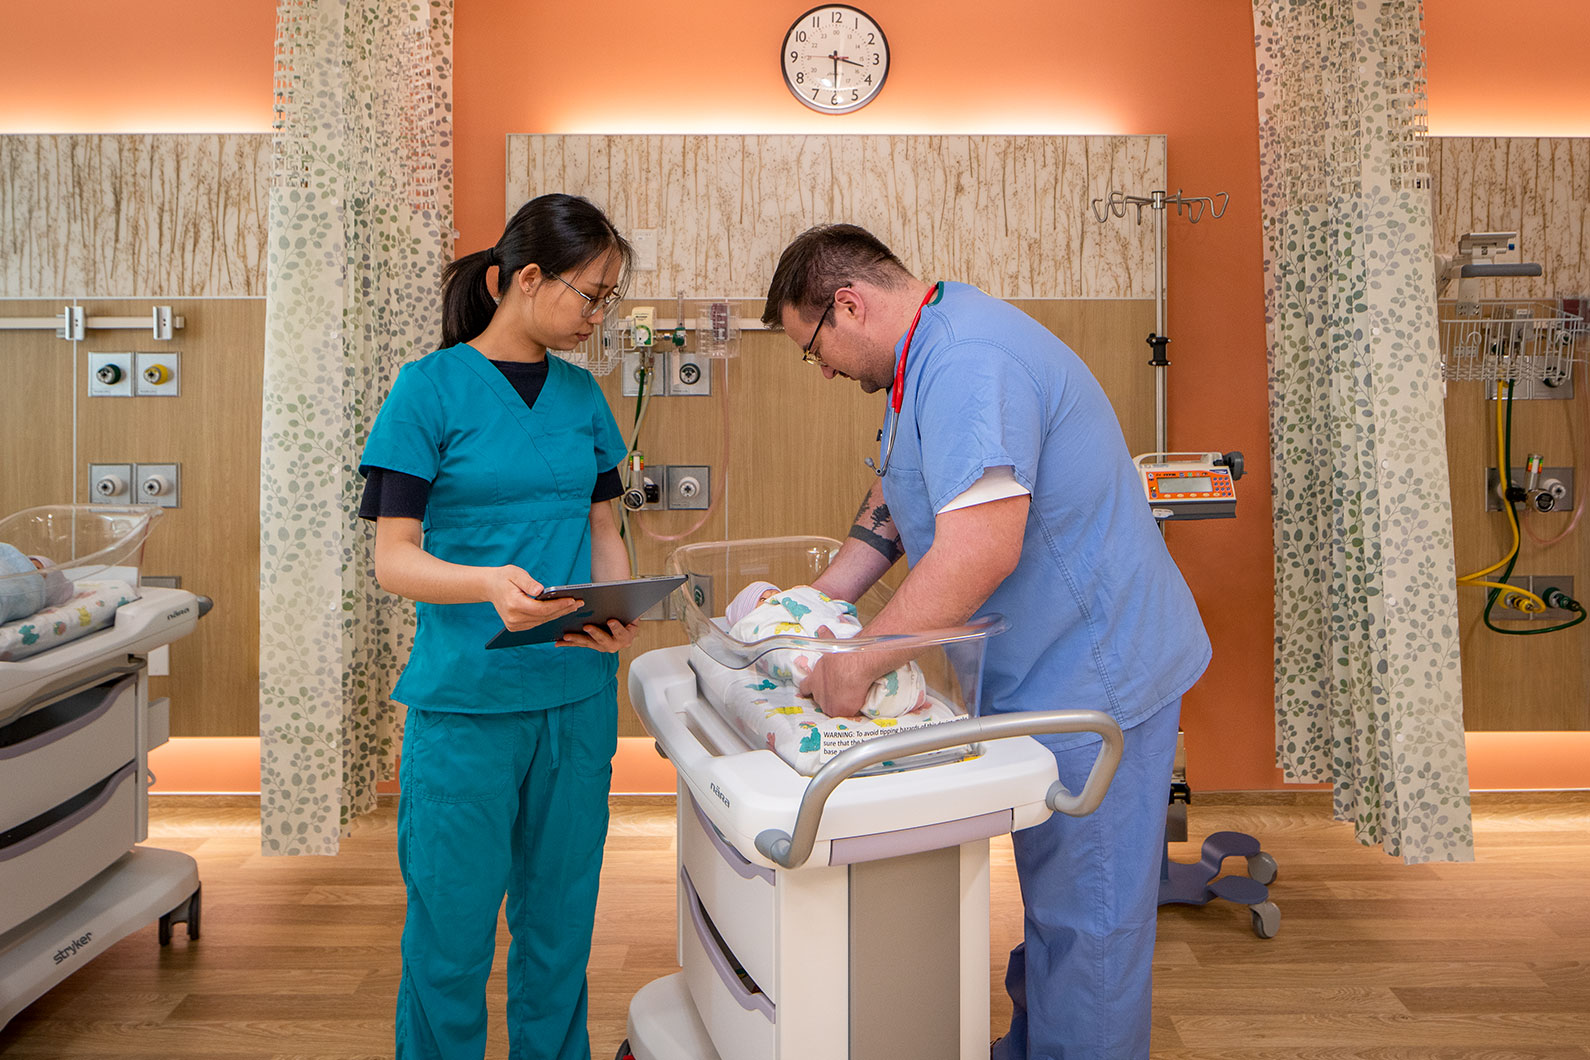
(489, 472)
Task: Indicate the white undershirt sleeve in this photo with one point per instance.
(996, 484)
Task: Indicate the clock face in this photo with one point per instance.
(835, 58)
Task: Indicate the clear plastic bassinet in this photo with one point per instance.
(951, 659)
(83, 541)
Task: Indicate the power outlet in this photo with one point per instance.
(689, 375)
(158, 374)
(157, 484)
(110, 483)
(688, 487)
(110, 375)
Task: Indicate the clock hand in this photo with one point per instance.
(852, 62)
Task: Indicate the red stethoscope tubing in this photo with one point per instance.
(897, 392)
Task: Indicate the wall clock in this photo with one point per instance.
(835, 58)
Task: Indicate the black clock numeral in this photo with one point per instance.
(867, 79)
(874, 58)
(835, 101)
(801, 36)
(817, 22)
(854, 95)
(800, 78)
(814, 93)
(872, 38)
(793, 56)
(838, 18)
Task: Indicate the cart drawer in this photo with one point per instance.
(45, 859)
(737, 895)
(739, 1018)
(53, 753)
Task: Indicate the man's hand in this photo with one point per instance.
(839, 684)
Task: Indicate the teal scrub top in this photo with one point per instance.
(509, 484)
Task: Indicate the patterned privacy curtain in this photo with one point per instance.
(1368, 694)
(360, 227)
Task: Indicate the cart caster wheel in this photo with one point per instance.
(1266, 920)
(1262, 868)
(623, 1052)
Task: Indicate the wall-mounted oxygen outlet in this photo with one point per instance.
(689, 375)
(110, 483)
(1538, 584)
(110, 374)
(156, 484)
(1553, 489)
(688, 486)
(630, 367)
(157, 374)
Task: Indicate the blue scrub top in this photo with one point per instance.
(509, 484)
(1099, 614)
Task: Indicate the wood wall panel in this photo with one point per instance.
(134, 215)
(212, 541)
(1010, 214)
(795, 442)
(35, 411)
(1537, 187)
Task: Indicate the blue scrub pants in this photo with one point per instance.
(1082, 980)
(501, 804)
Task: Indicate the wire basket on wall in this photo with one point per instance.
(1506, 341)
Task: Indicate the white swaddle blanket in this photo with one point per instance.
(772, 714)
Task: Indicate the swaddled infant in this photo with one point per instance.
(40, 584)
(763, 610)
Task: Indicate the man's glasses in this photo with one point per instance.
(806, 354)
(592, 305)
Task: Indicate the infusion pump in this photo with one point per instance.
(1190, 485)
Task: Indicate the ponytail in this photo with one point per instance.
(559, 233)
(467, 303)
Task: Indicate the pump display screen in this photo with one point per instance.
(1185, 484)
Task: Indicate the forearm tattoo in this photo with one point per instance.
(875, 528)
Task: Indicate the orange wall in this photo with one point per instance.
(112, 66)
(1134, 66)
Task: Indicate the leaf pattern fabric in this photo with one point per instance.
(1367, 678)
(360, 229)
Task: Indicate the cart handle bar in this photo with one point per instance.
(791, 850)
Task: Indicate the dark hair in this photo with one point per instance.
(560, 233)
(820, 261)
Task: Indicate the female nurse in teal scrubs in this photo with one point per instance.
(489, 472)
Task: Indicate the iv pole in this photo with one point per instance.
(1195, 206)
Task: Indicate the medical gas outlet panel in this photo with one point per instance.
(135, 374)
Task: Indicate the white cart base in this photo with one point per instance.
(143, 886)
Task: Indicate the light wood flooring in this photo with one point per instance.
(1374, 959)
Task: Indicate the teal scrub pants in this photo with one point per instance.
(508, 804)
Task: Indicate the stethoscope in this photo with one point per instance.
(897, 392)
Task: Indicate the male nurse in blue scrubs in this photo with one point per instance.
(1005, 482)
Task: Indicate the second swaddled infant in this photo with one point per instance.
(763, 610)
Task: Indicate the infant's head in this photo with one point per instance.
(747, 600)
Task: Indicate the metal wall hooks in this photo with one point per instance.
(1194, 206)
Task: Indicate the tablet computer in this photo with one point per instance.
(624, 600)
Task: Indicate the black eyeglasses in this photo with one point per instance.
(592, 305)
(806, 354)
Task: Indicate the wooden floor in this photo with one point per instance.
(1374, 959)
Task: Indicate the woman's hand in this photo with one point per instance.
(513, 593)
(616, 637)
